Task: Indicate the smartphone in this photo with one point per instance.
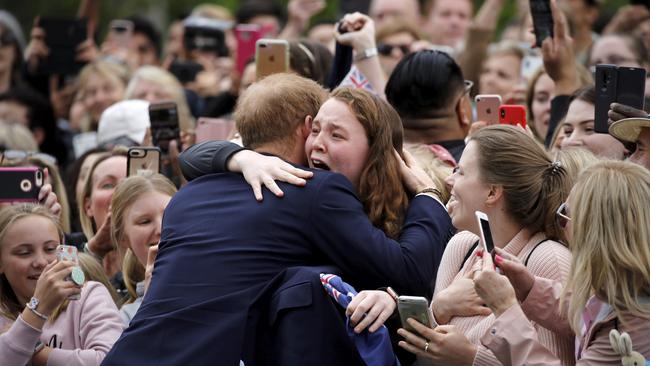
(69, 253)
(164, 125)
(530, 64)
(625, 85)
(120, 32)
(606, 80)
(20, 184)
(210, 129)
(271, 57)
(542, 20)
(142, 159)
(62, 37)
(185, 71)
(415, 307)
(486, 233)
(510, 114)
(246, 35)
(205, 34)
(487, 108)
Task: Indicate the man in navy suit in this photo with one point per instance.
(220, 247)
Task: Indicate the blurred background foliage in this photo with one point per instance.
(162, 12)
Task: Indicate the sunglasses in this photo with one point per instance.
(19, 156)
(387, 49)
(562, 215)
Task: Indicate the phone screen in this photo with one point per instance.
(164, 125)
(487, 234)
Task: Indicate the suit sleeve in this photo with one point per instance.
(342, 230)
(207, 158)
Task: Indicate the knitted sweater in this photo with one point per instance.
(550, 260)
(81, 335)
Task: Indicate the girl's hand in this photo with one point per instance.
(493, 288)
(264, 170)
(148, 269)
(47, 198)
(413, 176)
(376, 306)
(444, 345)
(459, 299)
(52, 288)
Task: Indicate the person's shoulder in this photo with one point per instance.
(549, 259)
(462, 240)
(93, 291)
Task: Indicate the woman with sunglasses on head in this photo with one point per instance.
(608, 226)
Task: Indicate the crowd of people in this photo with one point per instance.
(363, 166)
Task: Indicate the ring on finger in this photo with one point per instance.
(426, 346)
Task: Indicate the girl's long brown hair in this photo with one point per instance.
(380, 186)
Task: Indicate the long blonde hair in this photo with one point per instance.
(9, 305)
(610, 240)
(125, 195)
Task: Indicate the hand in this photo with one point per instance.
(447, 345)
(100, 244)
(36, 49)
(626, 19)
(459, 299)
(148, 268)
(558, 55)
(493, 288)
(414, 177)
(370, 307)
(173, 160)
(475, 127)
(619, 111)
(261, 170)
(52, 288)
(47, 198)
(62, 99)
(300, 11)
(360, 32)
(520, 278)
(87, 51)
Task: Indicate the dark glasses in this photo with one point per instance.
(387, 49)
(562, 215)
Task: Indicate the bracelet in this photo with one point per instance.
(367, 53)
(392, 293)
(431, 190)
(37, 313)
(39, 347)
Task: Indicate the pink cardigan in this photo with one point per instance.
(549, 260)
(82, 335)
(514, 340)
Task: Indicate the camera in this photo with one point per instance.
(503, 113)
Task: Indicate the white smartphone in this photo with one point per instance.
(69, 253)
(486, 233)
(487, 108)
(415, 307)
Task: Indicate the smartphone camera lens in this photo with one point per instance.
(503, 113)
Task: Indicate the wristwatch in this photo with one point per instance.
(38, 347)
(367, 53)
(32, 304)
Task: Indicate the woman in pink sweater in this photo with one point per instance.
(51, 329)
(505, 174)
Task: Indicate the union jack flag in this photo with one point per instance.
(356, 79)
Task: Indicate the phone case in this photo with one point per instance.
(415, 307)
(210, 129)
(486, 233)
(606, 85)
(185, 71)
(512, 115)
(204, 38)
(630, 86)
(143, 159)
(487, 108)
(68, 253)
(20, 184)
(542, 20)
(247, 36)
(62, 37)
(164, 125)
(120, 32)
(271, 57)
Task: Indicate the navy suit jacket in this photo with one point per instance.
(220, 248)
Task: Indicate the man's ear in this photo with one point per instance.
(464, 113)
(306, 127)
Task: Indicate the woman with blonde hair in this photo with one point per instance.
(101, 84)
(137, 208)
(40, 324)
(608, 285)
(155, 85)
